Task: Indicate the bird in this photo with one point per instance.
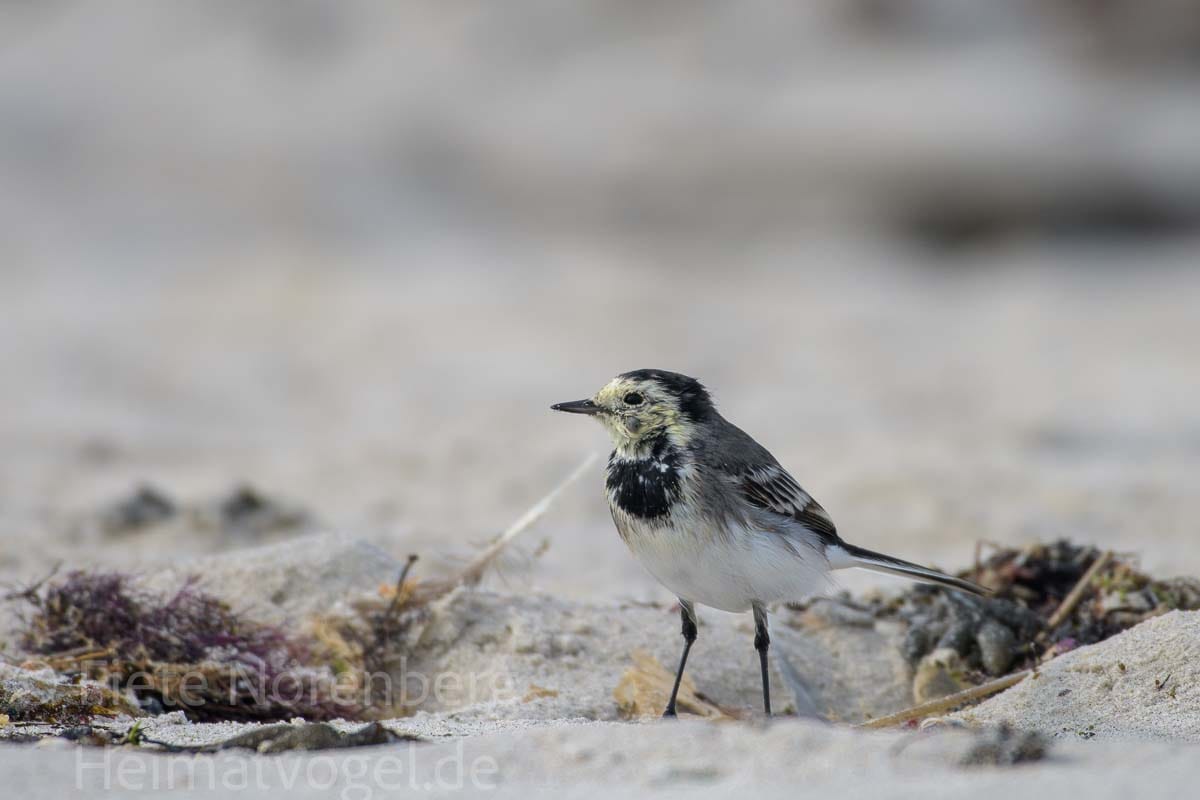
(712, 515)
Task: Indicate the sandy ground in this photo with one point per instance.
(1141, 683)
(598, 759)
(942, 263)
(533, 710)
(927, 410)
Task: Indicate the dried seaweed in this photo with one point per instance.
(191, 650)
(366, 643)
(29, 696)
(1047, 599)
(185, 650)
(1032, 613)
(89, 611)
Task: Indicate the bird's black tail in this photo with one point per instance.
(844, 556)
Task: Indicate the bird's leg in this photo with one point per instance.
(688, 614)
(762, 640)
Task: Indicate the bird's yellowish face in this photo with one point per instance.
(635, 412)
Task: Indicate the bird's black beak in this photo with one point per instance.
(577, 407)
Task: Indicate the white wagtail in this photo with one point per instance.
(711, 514)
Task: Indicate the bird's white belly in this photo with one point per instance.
(728, 570)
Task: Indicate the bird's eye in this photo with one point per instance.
(633, 399)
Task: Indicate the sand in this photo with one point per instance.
(1143, 683)
(941, 260)
(603, 759)
(531, 707)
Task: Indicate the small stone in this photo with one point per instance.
(1126, 601)
(567, 644)
(917, 641)
(939, 723)
(957, 637)
(940, 673)
(997, 647)
(172, 718)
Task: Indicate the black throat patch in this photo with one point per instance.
(645, 487)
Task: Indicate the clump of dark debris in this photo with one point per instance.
(285, 736)
(246, 510)
(1044, 603)
(242, 512)
(37, 696)
(186, 650)
(146, 506)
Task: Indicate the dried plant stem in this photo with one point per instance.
(474, 570)
(395, 604)
(1080, 589)
(387, 628)
(30, 592)
(949, 701)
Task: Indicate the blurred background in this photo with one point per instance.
(940, 256)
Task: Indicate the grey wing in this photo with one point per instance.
(760, 481)
(764, 484)
(771, 488)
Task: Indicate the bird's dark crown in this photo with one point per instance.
(692, 396)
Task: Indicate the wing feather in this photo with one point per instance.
(772, 489)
